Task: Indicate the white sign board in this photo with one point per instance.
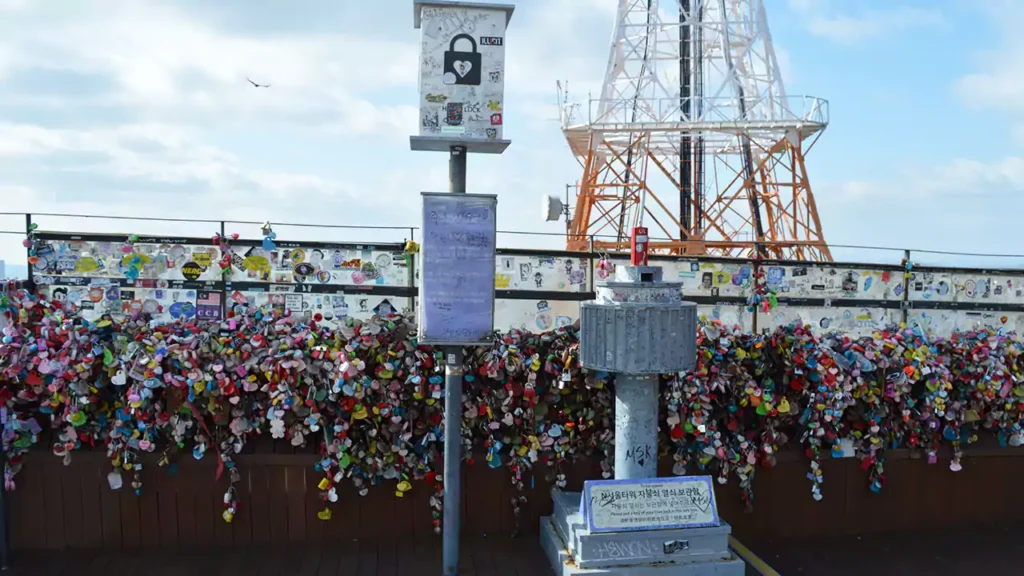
(457, 275)
(652, 504)
(462, 76)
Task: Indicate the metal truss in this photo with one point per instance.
(694, 136)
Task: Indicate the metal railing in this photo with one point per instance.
(765, 110)
(568, 277)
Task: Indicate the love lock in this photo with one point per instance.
(462, 68)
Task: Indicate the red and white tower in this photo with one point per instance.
(695, 137)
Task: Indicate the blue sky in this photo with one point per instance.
(139, 107)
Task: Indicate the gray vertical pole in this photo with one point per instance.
(28, 254)
(5, 548)
(411, 282)
(224, 308)
(905, 305)
(453, 411)
(636, 427)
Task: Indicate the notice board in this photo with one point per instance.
(457, 273)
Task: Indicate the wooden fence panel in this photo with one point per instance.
(56, 506)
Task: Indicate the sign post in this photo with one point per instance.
(461, 104)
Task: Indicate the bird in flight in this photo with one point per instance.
(257, 85)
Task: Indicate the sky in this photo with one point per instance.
(141, 108)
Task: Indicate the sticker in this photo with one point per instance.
(339, 306)
(305, 269)
(323, 276)
(150, 306)
(60, 294)
(96, 294)
(298, 256)
(384, 309)
(191, 271)
(256, 263)
(181, 310)
(86, 265)
(502, 281)
(208, 305)
(293, 302)
(202, 258)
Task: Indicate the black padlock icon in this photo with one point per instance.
(464, 67)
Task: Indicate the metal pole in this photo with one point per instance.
(28, 254)
(453, 411)
(224, 308)
(636, 426)
(5, 547)
(905, 305)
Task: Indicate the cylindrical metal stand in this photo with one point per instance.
(452, 458)
(453, 412)
(636, 427)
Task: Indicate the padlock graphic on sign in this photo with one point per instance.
(462, 68)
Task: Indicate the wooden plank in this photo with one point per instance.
(241, 526)
(309, 563)
(329, 560)
(149, 506)
(348, 564)
(222, 530)
(423, 514)
(28, 520)
(185, 499)
(387, 562)
(278, 504)
(377, 511)
(92, 509)
(367, 557)
(207, 506)
(295, 487)
(504, 557)
(167, 506)
(316, 529)
(276, 562)
(130, 520)
(110, 503)
(404, 524)
(74, 514)
(54, 505)
(345, 523)
(427, 553)
(259, 503)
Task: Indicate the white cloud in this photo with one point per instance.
(961, 177)
(825, 21)
(167, 65)
(946, 207)
(140, 107)
(998, 81)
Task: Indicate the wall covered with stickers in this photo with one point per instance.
(165, 352)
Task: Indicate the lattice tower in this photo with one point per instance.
(694, 136)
